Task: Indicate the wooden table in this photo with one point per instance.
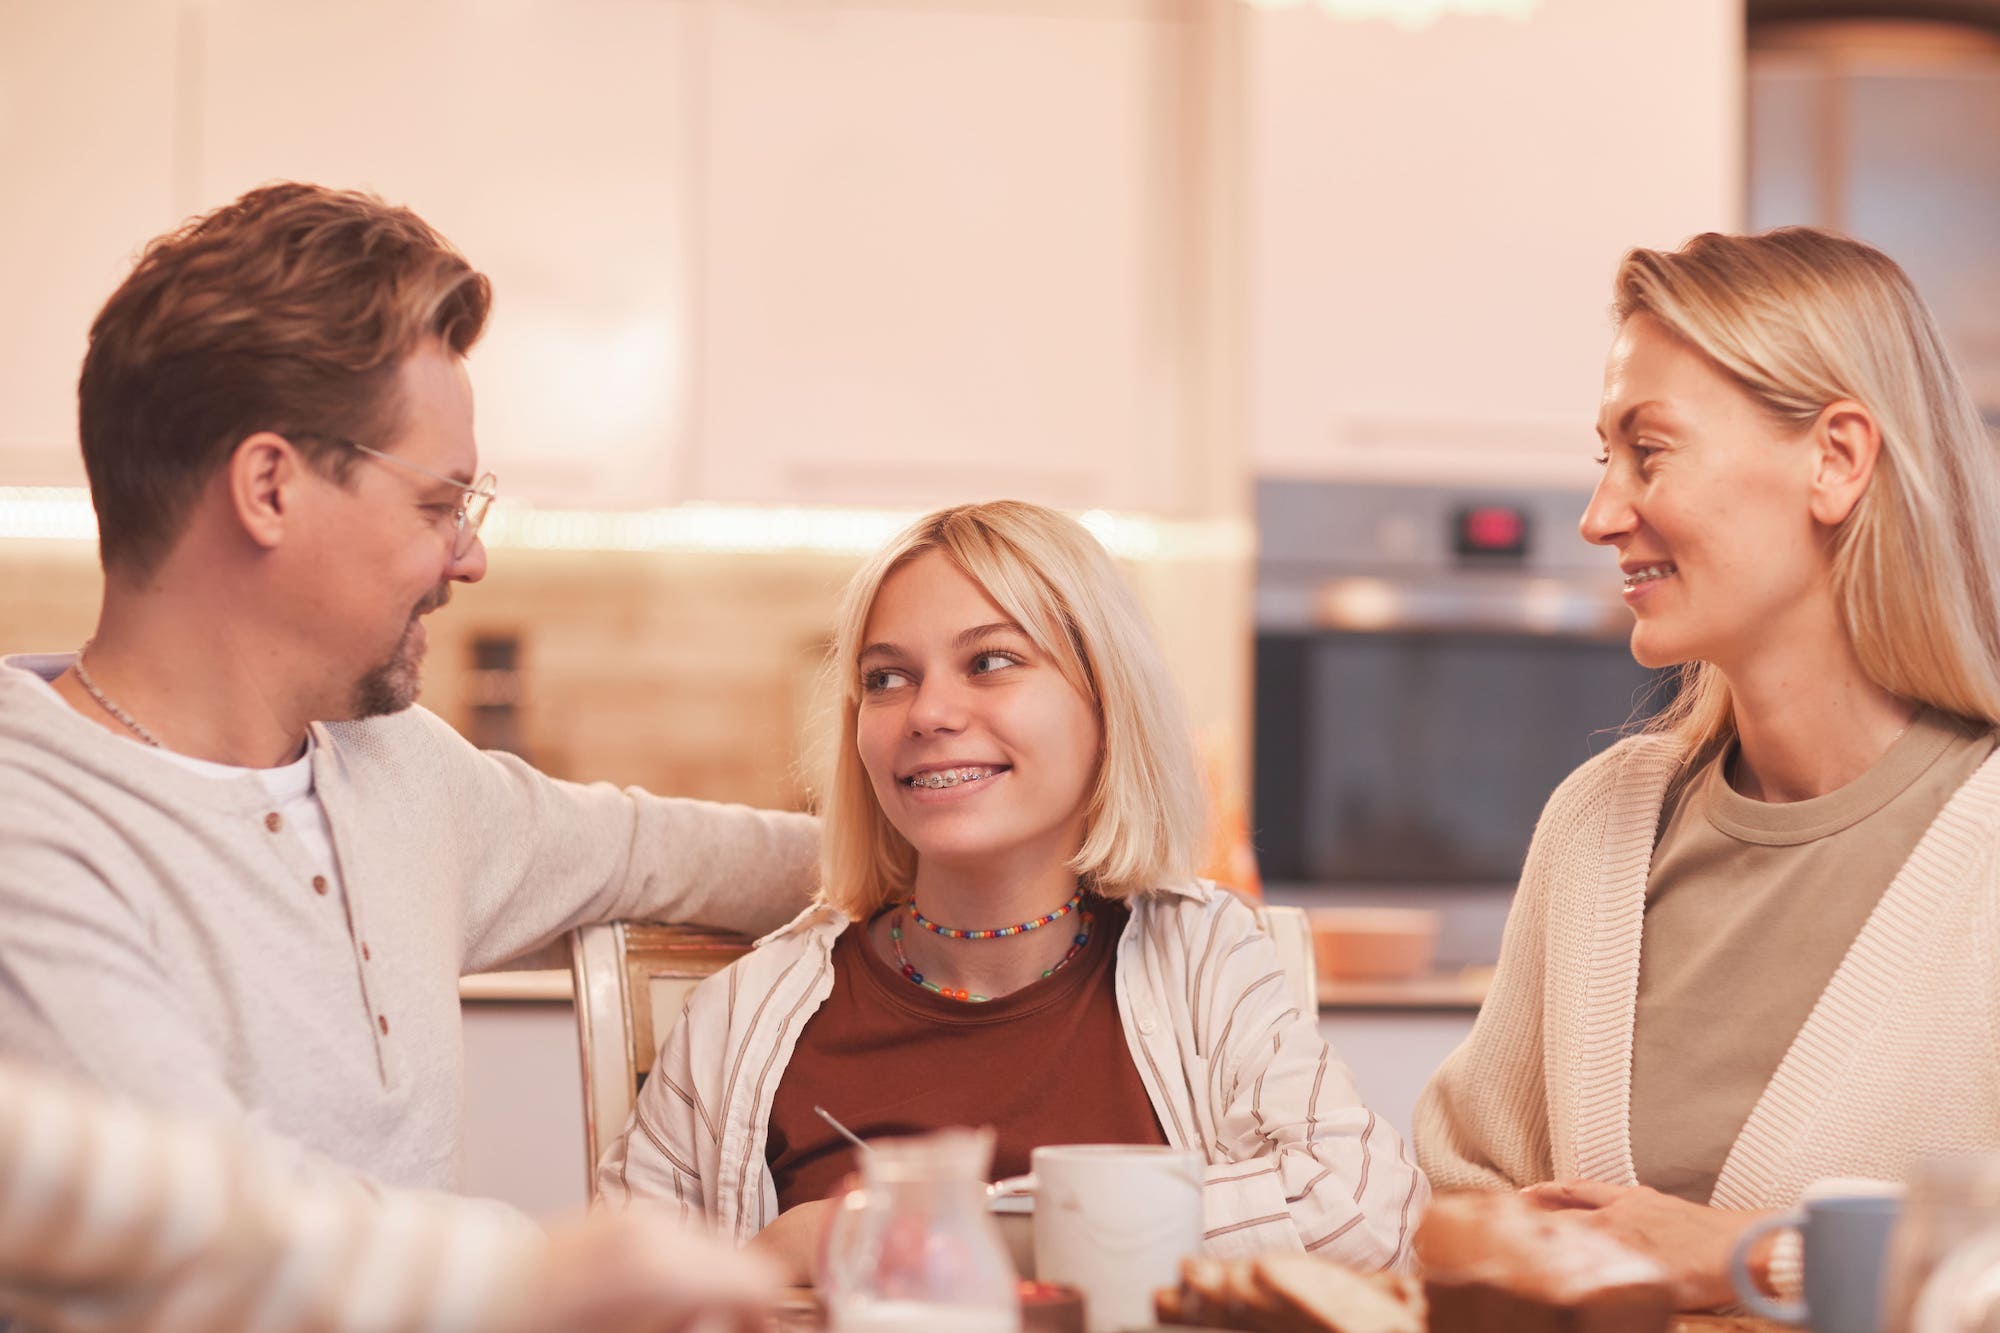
(798, 1314)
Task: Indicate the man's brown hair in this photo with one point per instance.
(290, 311)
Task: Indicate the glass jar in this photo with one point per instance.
(915, 1249)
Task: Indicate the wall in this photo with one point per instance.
(685, 672)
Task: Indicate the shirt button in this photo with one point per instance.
(274, 821)
(383, 1021)
(1146, 1024)
(319, 884)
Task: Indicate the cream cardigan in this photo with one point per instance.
(1897, 1060)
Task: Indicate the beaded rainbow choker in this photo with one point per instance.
(1077, 941)
(998, 932)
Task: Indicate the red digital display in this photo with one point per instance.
(1492, 530)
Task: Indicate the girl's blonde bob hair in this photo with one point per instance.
(1801, 318)
(1144, 824)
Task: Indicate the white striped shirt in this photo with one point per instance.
(112, 1218)
(1233, 1067)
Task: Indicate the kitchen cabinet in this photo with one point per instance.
(89, 156)
(857, 251)
(1437, 212)
(553, 143)
(945, 254)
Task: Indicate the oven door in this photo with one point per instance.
(1400, 755)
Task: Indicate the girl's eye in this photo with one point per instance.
(1603, 458)
(883, 679)
(987, 663)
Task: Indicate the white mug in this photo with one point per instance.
(1115, 1220)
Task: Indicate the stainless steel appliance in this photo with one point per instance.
(1431, 662)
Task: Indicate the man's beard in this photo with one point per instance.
(394, 685)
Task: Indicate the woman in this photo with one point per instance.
(1010, 933)
(1754, 946)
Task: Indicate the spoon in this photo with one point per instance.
(841, 1129)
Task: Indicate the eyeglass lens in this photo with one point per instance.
(478, 503)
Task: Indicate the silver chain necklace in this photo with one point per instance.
(90, 688)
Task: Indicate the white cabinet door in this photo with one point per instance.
(942, 254)
(551, 142)
(87, 152)
(1439, 209)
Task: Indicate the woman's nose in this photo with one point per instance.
(1609, 515)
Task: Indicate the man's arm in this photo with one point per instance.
(550, 855)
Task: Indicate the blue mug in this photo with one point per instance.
(1845, 1238)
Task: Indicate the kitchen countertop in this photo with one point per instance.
(1452, 991)
(1464, 989)
(537, 987)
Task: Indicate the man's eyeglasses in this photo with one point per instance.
(475, 501)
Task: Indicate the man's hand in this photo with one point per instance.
(638, 1271)
(795, 1238)
(1688, 1240)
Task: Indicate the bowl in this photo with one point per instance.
(1373, 943)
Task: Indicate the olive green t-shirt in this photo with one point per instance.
(1750, 907)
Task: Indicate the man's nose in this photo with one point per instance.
(470, 567)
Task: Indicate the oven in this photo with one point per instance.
(1430, 663)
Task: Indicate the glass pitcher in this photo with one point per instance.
(915, 1249)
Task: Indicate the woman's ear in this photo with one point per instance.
(1848, 442)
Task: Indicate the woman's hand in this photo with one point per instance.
(1688, 1240)
(794, 1239)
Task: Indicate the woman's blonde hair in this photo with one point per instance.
(1801, 318)
(1144, 820)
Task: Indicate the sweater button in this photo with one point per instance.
(274, 821)
(383, 1021)
(319, 884)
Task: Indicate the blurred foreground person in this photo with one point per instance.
(112, 1218)
(1754, 947)
(1011, 932)
(240, 874)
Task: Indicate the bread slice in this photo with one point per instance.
(1339, 1300)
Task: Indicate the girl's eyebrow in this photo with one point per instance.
(963, 639)
(967, 638)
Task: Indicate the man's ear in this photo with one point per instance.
(1848, 441)
(264, 475)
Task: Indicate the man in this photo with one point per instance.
(240, 875)
(112, 1218)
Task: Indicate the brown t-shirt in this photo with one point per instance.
(1046, 1064)
(1750, 907)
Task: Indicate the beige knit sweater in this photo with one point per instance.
(1897, 1060)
